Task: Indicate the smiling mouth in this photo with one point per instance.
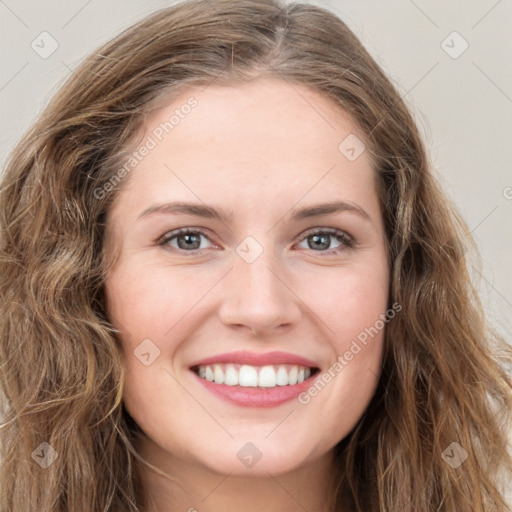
(248, 376)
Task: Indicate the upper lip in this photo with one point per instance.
(256, 359)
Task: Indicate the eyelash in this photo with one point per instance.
(347, 240)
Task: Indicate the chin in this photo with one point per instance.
(255, 458)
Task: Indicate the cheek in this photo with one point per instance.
(350, 303)
(352, 308)
(146, 303)
(152, 309)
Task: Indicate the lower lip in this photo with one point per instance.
(257, 397)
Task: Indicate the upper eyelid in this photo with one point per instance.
(183, 231)
(330, 231)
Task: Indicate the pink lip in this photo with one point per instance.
(257, 397)
(255, 359)
(254, 396)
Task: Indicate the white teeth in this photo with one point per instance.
(282, 376)
(231, 377)
(247, 376)
(218, 372)
(268, 376)
(292, 375)
(209, 374)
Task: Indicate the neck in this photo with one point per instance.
(195, 488)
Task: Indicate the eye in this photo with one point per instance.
(187, 239)
(319, 239)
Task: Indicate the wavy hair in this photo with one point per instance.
(444, 377)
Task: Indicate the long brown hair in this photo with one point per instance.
(443, 392)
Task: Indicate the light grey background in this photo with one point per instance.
(463, 105)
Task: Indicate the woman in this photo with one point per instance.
(230, 281)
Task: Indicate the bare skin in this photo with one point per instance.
(259, 152)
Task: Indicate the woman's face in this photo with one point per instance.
(262, 291)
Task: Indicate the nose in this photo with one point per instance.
(259, 297)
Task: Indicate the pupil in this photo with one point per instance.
(317, 238)
(189, 237)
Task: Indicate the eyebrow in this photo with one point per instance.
(203, 210)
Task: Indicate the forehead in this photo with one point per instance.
(265, 109)
(266, 140)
